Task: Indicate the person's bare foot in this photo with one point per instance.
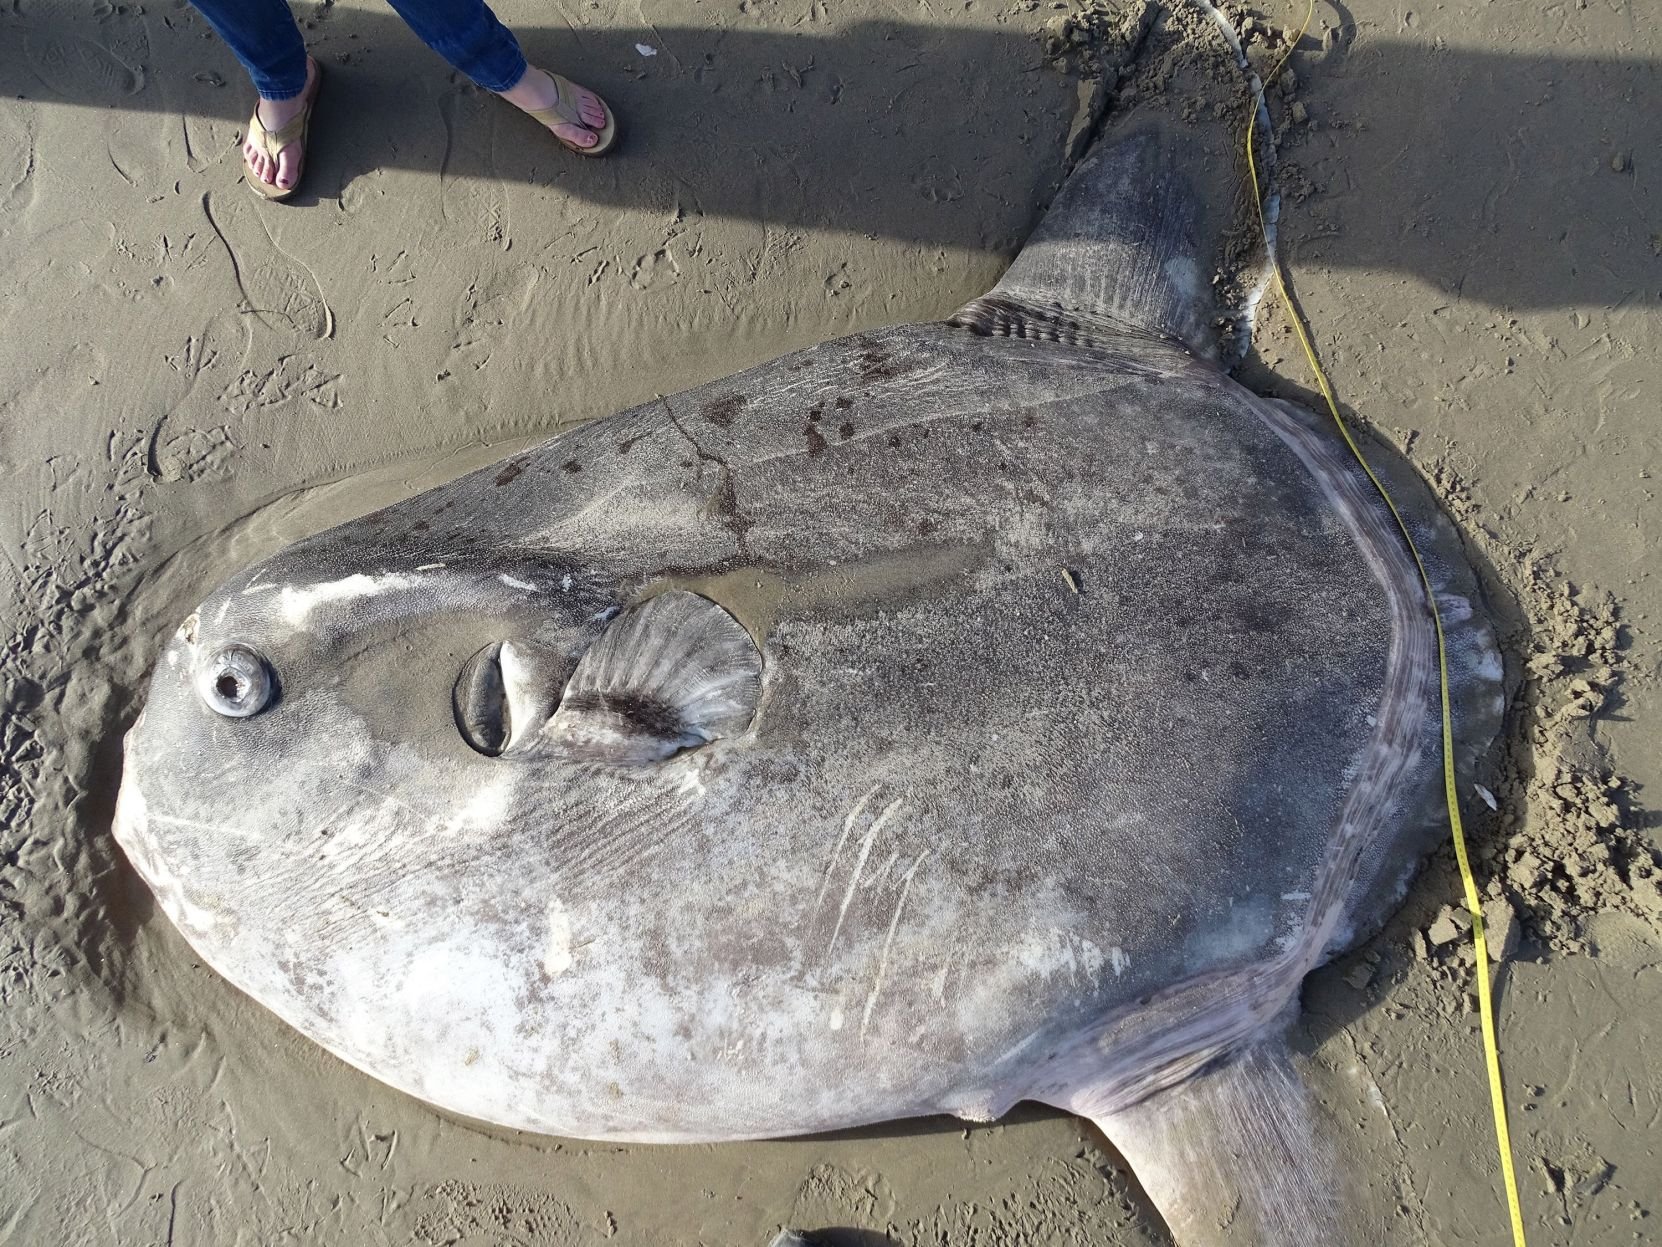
(284, 171)
(536, 90)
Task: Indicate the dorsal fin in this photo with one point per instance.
(1127, 247)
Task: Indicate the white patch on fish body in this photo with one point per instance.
(557, 956)
(463, 982)
(691, 782)
(194, 917)
(1055, 951)
(1453, 608)
(1119, 959)
(486, 809)
(512, 583)
(299, 603)
(132, 819)
(1234, 936)
(1489, 667)
(1184, 274)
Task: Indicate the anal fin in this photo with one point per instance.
(1230, 1155)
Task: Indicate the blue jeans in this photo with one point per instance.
(265, 39)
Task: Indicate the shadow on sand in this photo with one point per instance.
(1500, 189)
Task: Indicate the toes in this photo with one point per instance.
(591, 110)
(288, 161)
(577, 135)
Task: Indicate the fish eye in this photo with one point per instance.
(235, 682)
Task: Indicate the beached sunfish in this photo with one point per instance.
(1008, 708)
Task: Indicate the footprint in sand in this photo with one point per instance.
(209, 140)
(194, 455)
(136, 145)
(68, 63)
(279, 289)
(472, 204)
(17, 162)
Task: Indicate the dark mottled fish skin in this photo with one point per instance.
(1096, 709)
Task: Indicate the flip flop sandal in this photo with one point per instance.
(272, 142)
(560, 113)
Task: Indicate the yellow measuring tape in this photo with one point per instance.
(1474, 903)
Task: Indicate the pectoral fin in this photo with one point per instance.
(672, 673)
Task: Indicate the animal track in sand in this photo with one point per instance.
(467, 1212)
(189, 443)
(399, 319)
(222, 342)
(657, 268)
(487, 306)
(281, 291)
(289, 379)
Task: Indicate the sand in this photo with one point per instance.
(190, 378)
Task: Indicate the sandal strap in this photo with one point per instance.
(272, 142)
(560, 112)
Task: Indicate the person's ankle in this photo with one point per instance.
(534, 89)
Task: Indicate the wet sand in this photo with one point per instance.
(190, 377)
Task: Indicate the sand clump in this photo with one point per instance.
(1571, 851)
(1550, 832)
